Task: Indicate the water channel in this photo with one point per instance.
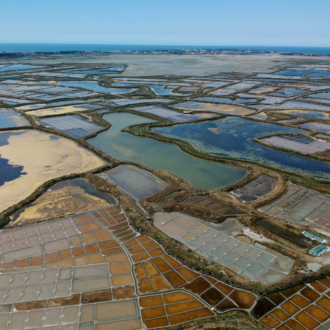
(198, 173)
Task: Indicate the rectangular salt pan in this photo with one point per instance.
(72, 125)
(123, 102)
(172, 115)
(304, 146)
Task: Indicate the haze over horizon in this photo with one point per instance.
(294, 23)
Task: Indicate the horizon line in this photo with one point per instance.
(185, 45)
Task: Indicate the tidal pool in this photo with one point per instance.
(198, 173)
(231, 137)
(96, 87)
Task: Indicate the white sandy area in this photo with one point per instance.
(248, 232)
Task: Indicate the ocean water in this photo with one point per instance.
(21, 47)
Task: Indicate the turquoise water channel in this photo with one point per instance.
(198, 173)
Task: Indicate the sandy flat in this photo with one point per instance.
(60, 110)
(213, 107)
(58, 203)
(197, 65)
(43, 158)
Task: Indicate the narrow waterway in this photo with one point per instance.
(198, 173)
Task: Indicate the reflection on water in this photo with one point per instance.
(18, 67)
(8, 172)
(10, 118)
(232, 137)
(88, 187)
(157, 89)
(96, 87)
(305, 113)
(198, 173)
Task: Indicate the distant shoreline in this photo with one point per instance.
(18, 55)
(66, 49)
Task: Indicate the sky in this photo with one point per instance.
(170, 22)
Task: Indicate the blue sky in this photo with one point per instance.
(170, 22)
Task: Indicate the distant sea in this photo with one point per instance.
(90, 47)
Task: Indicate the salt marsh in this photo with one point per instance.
(168, 157)
(231, 137)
